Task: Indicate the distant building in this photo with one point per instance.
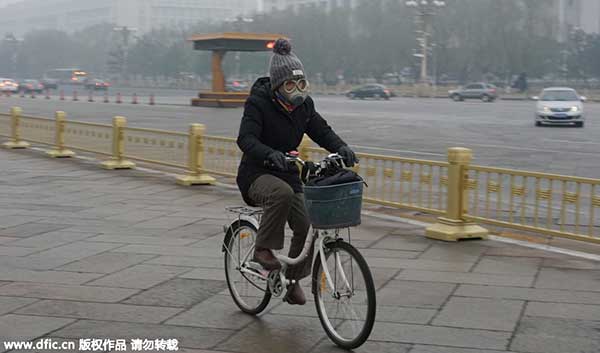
(71, 15)
(582, 14)
(275, 5)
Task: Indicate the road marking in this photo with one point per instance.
(536, 246)
(517, 148)
(577, 142)
(548, 248)
(398, 151)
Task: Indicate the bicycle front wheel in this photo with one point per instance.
(249, 291)
(346, 307)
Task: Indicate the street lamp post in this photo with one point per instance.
(126, 35)
(238, 26)
(13, 44)
(425, 10)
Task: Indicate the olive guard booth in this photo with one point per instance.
(219, 44)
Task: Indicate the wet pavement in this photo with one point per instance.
(87, 253)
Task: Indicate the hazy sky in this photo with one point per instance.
(6, 2)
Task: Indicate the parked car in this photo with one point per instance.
(484, 91)
(8, 85)
(559, 106)
(28, 86)
(49, 83)
(237, 86)
(375, 91)
(96, 84)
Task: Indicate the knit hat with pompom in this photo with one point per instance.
(285, 65)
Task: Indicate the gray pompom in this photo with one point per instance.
(282, 47)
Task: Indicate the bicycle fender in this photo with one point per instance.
(229, 229)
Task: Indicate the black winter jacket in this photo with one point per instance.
(267, 126)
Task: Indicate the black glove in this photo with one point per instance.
(348, 155)
(277, 160)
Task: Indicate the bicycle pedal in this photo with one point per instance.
(255, 266)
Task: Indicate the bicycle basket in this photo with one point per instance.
(334, 206)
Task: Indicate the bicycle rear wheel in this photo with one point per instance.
(346, 311)
(249, 292)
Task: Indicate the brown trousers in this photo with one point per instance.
(282, 205)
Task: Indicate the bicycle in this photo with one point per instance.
(341, 278)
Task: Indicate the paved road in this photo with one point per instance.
(501, 134)
(89, 253)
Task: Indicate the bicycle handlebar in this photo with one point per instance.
(294, 157)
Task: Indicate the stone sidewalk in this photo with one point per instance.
(88, 253)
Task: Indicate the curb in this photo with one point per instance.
(379, 215)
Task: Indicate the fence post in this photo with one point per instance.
(59, 150)
(118, 150)
(15, 139)
(453, 226)
(194, 174)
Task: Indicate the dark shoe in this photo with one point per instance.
(266, 259)
(295, 295)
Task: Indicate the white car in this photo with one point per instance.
(8, 85)
(559, 106)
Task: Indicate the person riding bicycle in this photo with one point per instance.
(277, 114)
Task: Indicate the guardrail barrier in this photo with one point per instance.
(461, 194)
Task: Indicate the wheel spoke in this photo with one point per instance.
(248, 291)
(348, 313)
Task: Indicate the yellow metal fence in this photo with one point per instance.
(38, 130)
(221, 156)
(5, 120)
(459, 192)
(88, 137)
(552, 204)
(156, 146)
(399, 182)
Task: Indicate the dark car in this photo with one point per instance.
(49, 83)
(484, 91)
(96, 84)
(375, 91)
(28, 86)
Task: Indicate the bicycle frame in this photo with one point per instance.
(287, 261)
(243, 273)
(249, 215)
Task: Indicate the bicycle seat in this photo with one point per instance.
(245, 210)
